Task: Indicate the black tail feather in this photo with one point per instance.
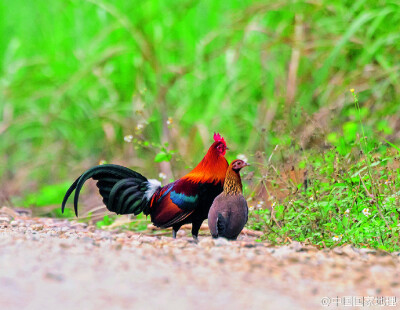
(123, 190)
(67, 194)
(221, 225)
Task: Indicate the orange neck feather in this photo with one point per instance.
(211, 169)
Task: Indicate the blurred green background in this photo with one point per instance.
(76, 77)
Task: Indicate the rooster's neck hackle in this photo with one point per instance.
(211, 169)
(233, 183)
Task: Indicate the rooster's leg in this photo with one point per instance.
(195, 230)
(175, 229)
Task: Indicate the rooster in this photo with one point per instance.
(187, 200)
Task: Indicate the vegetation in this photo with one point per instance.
(273, 77)
(350, 194)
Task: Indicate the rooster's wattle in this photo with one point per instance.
(187, 200)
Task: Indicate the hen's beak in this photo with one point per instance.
(246, 164)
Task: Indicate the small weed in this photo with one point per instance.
(106, 221)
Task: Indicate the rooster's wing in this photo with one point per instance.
(175, 202)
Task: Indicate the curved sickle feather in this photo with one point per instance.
(67, 194)
(110, 174)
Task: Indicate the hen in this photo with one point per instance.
(187, 200)
(228, 213)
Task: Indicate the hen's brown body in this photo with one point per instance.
(229, 212)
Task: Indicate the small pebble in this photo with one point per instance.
(206, 242)
(14, 223)
(4, 219)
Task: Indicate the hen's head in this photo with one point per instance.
(238, 164)
(219, 144)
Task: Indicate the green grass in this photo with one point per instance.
(351, 196)
(77, 76)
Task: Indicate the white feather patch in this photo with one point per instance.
(152, 186)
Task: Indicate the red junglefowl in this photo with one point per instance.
(187, 200)
(228, 213)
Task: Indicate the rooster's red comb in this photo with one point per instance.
(218, 138)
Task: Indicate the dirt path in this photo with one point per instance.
(53, 264)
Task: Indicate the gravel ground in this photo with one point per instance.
(56, 264)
